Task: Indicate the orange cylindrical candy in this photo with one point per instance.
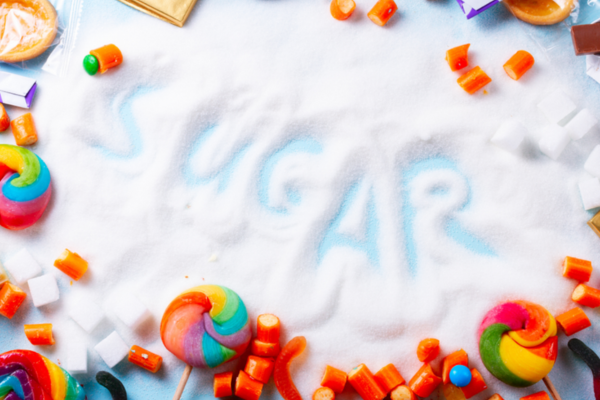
(476, 386)
(586, 296)
(11, 298)
(496, 397)
(334, 379)
(459, 357)
(71, 264)
(382, 11)
(458, 57)
(474, 80)
(24, 130)
(4, 119)
(145, 359)
(268, 328)
(259, 368)
(424, 382)
(39, 334)
(108, 56)
(363, 381)
(389, 378)
(428, 350)
(342, 9)
(518, 64)
(247, 388)
(573, 321)
(222, 384)
(575, 268)
(402, 392)
(324, 393)
(537, 396)
(263, 349)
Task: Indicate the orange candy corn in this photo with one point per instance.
(363, 381)
(324, 393)
(4, 119)
(268, 328)
(281, 376)
(108, 56)
(263, 349)
(586, 296)
(24, 130)
(382, 11)
(39, 334)
(222, 384)
(334, 379)
(424, 382)
(71, 264)
(573, 321)
(458, 57)
(428, 350)
(145, 359)
(476, 386)
(389, 378)
(474, 80)
(575, 268)
(518, 64)
(259, 368)
(11, 298)
(342, 9)
(247, 388)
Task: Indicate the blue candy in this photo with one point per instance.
(460, 375)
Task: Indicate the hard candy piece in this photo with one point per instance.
(590, 193)
(131, 310)
(510, 135)
(460, 376)
(76, 358)
(554, 140)
(90, 64)
(23, 267)
(556, 106)
(86, 313)
(112, 349)
(581, 124)
(592, 165)
(44, 290)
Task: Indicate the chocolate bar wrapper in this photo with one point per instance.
(175, 12)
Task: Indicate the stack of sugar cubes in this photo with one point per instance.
(23, 268)
(558, 108)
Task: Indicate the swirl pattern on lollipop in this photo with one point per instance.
(27, 375)
(25, 183)
(206, 326)
(518, 343)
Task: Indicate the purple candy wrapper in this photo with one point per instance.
(470, 12)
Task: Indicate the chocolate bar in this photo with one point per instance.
(586, 39)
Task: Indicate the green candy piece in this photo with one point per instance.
(90, 64)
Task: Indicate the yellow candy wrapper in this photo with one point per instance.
(172, 11)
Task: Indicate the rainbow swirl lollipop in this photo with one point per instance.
(206, 326)
(26, 193)
(518, 343)
(27, 375)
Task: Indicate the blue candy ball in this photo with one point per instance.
(460, 375)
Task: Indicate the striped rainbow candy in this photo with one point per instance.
(518, 343)
(206, 326)
(27, 375)
(25, 183)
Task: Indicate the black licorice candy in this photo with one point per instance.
(591, 359)
(114, 386)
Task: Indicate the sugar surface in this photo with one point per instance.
(334, 173)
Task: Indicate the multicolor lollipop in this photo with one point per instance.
(518, 343)
(27, 375)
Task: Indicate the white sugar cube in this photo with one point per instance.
(44, 290)
(76, 358)
(131, 310)
(510, 135)
(590, 193)
(22, 267)
(581, 124)
(554, 140)
(86, 313)
(112, 349)
(557, 106)
(592, 165)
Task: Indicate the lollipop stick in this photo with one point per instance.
(551, 388)
(184, 378)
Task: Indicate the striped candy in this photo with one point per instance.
(518, 343)
(206, 326)
(27, 375)
(25, 183)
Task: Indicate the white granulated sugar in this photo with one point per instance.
(332, 173)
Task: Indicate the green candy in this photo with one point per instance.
(90, 64)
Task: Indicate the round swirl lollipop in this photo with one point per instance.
(205, 327)
(28, 375)
(25, 183)
(518, 343)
